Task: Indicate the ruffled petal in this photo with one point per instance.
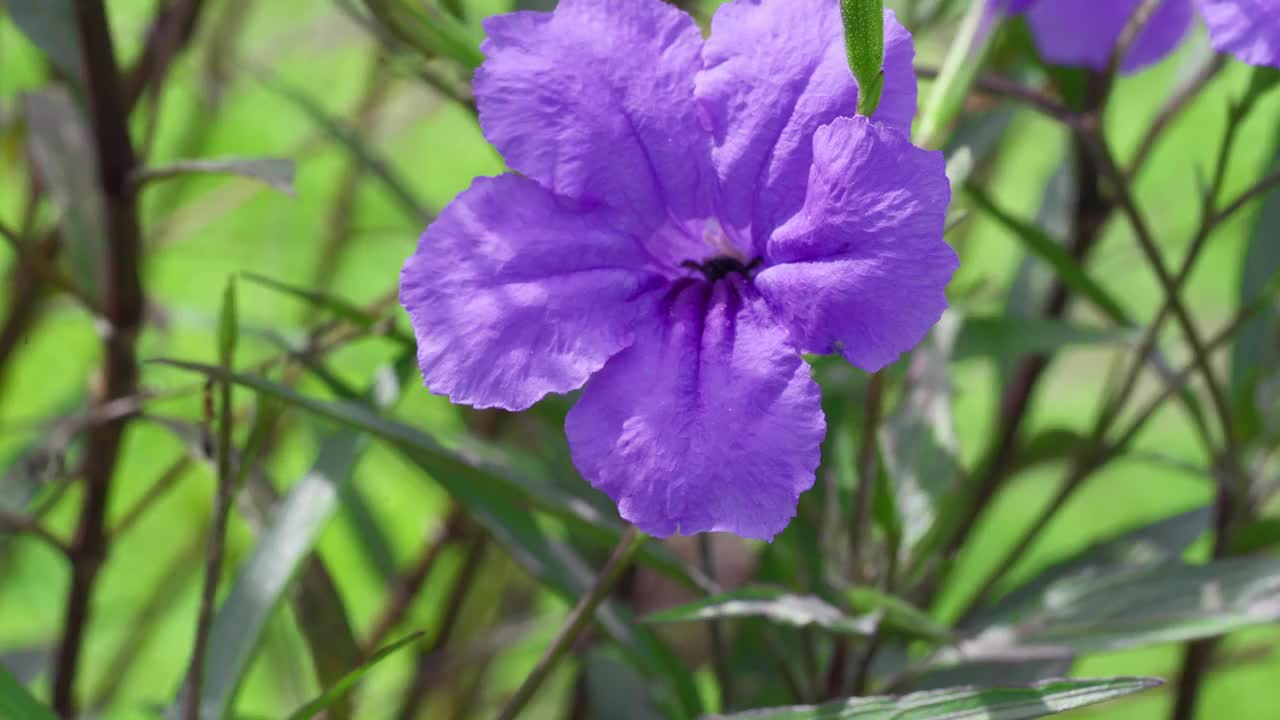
(514, 294)
(863, 266)
(595, 101)
(776, 70)
(1248, 29)
(709, 422)
(1085, 32)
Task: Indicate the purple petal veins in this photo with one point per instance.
(690, 217)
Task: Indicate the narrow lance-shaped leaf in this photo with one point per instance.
(17, 703)
(966, 703)
(864, 45)
(277, 173)
(61, 147)
(332, 695)
(959, 69)
(51, 26)
(775, 605)
(500, 502)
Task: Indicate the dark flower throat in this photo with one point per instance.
(720, 267)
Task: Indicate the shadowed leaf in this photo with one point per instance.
(331, 696)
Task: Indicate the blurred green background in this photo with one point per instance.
(235, 94)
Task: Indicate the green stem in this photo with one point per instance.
(577, 621)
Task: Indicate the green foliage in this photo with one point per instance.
(1025, 518)
(966, 703)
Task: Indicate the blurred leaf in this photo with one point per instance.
(898, 614)
(992, 673)
(499, 499)
(51, 26)
(1261, 535)
(1257, 343)
(330, 696)
(482, 467)
(266, 574)
(228, 325)
(773, 604)
(1041, 244)
(1050, 445)
(864, 46)
(277, 173)
(1046, 698)
(946, 97)
(399, 189)
(919, 439)
(427, 30)
(1157, 542)
(16, 703)
(1130, 607)
(615, 690)
(1012, 336)
(61, 149)
(338, 307)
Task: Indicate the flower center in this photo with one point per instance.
(722, 266)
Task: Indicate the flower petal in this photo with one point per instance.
(1085, 32)
(709, 422)
(1248, 29)
(776, 71)
(863, 264)
(513, 294)
(595, 101)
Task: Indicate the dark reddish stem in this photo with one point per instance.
(122, 306)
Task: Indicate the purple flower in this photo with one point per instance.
(688, 219)
(1085, 32)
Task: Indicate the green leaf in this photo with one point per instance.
(959, 70)
(898, 614)
(277, 173)
(1131, 607)
(51, 26)
(1012, 336)
(228, 325)
(966, 703)
(919, 440)
(1261, 535)
(500, 500)
(399, 189)
(333, 694)
(864, 46)
(338, 307)
(1039, 243)
(427, 30)
(16, 703)
(61, 148)
(1256, 348)
(1156, 542)
(267, 573)
(772, 604)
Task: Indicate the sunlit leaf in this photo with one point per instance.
(1046, 698)
(1132, 607)
(772, 604)
(266, 574)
